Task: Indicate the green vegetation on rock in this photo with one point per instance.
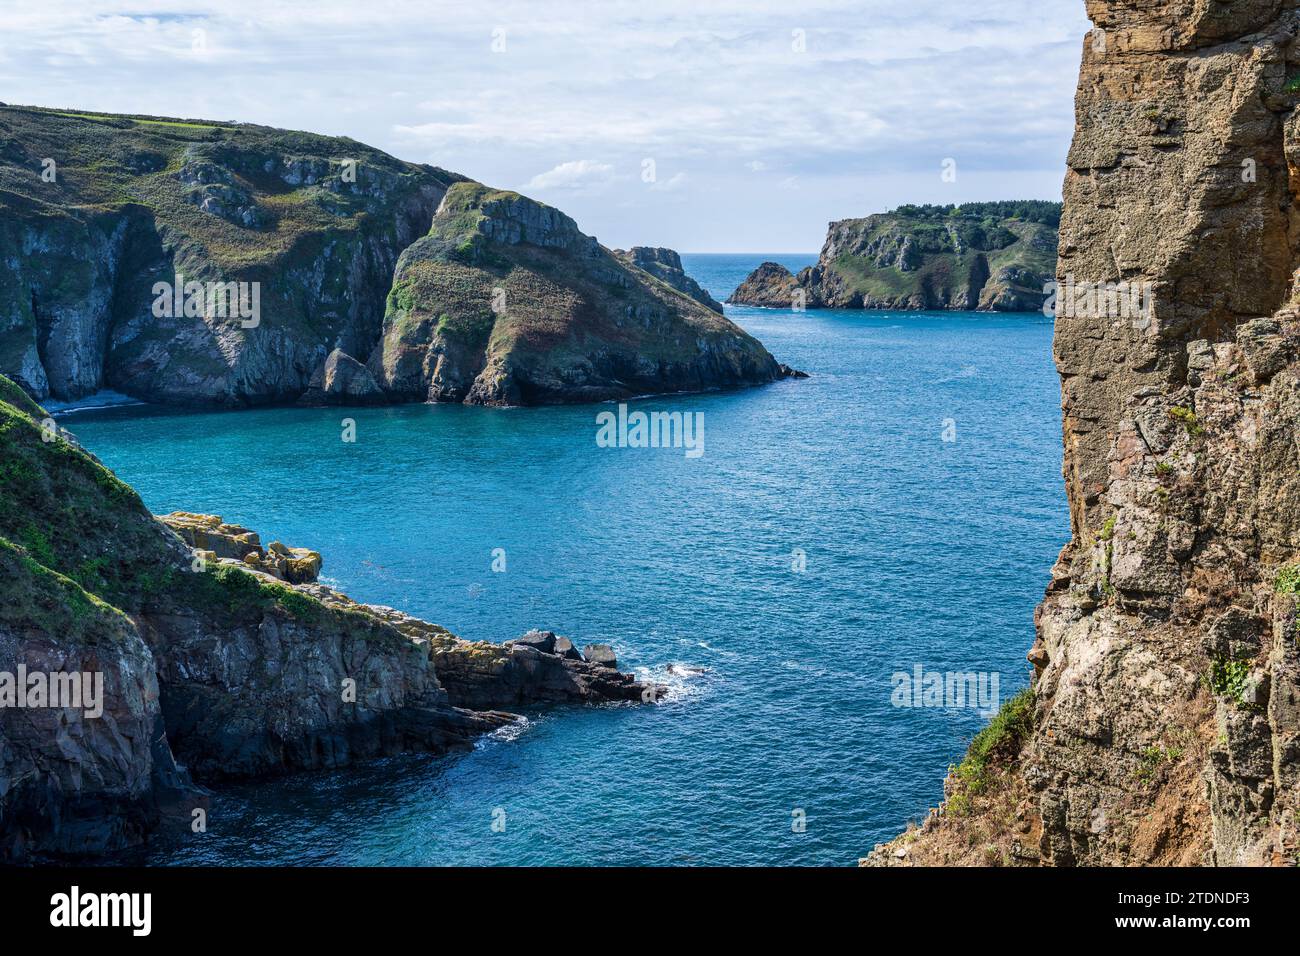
(507, 302)
(989, 256)
(1000, 740)
(97, 209)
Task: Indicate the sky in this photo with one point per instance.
(702, 125)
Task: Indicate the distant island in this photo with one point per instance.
(201, 263)
(990, 256)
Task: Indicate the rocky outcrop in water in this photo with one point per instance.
(213, 539)
(1165, 723)
(215, 664)
(772, 286)
(986, 256)
(666, 265)
(197, 263)
(507, 302)
(342, 380)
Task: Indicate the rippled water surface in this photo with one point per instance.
(918, 551)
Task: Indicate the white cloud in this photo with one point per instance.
(881, 93)
(575, 174)
(671, 184)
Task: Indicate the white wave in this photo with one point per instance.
(507, 733)
(681, 681)
(714, 650)
(967, 371)
(102, 399)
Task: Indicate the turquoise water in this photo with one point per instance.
(918, 551)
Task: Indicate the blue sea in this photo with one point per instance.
(828, 538)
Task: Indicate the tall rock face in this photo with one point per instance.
(96, 210)
(207, 652)
(507, 302)
(988, 256)
(1166, 722)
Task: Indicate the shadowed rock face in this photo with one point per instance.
(772, 286)
(207, 654)
(1167, 714)
(342, 380)
(507, 302)
(316, 222)
(989, 256)
(284, 246)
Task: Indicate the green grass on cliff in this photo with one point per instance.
(78, 548)
(1287, 580)
(32, 595)
(114, 163)
(938, 254)
(85, 544)
(1001, 740)
(1043, 211)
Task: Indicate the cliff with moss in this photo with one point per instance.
(507, 302)
(1164, 726)
(216, 665)
(986, 256)
(96, 210)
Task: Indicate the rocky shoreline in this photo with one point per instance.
(222, 659)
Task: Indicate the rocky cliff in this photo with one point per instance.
(193, 262)
(507, 302)
(96, 210)
(211, 655)
(1163, 725)
(989, 256)
(666, 265)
